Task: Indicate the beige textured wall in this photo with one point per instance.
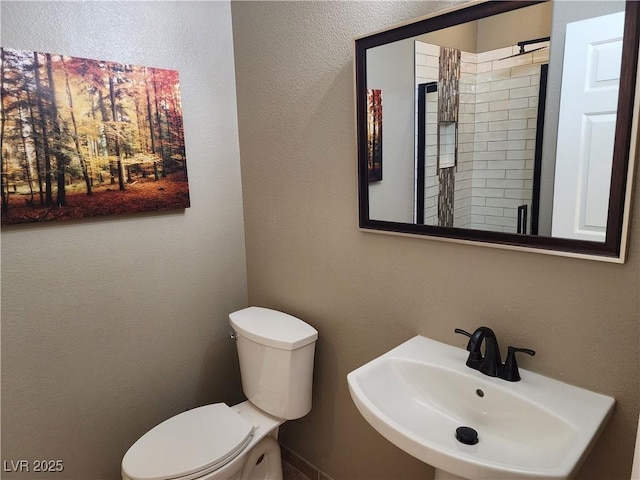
(112, 325)
(365, 292)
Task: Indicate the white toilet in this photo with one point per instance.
(220, 442)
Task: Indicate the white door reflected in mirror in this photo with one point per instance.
(586, 132)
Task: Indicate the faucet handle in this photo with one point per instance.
(510, 371)
(466, 334)
(463, 332)
(475, 357)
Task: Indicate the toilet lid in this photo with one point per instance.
(198, 440)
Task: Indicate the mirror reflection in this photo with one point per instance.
(505, 123)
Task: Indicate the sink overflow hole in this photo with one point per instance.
(480, 393)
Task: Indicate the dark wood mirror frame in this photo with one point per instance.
(613, 249)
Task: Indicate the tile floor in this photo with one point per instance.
(289, 472)
(295, 467)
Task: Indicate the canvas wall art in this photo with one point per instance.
(82, 138)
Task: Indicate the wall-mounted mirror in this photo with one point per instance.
(509, 123)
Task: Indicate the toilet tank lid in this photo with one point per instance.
(272, 328)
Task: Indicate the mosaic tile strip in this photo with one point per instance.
(448, 88)
(448, 101)
(446, 179)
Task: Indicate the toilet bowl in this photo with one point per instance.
(214, 442)
(220, 442)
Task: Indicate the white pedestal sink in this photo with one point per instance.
(442, 475)
(419, 393)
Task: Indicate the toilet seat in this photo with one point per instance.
(189, 445)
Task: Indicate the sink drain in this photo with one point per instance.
(467, 435)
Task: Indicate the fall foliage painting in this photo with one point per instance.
(374, 134)
(82, 138)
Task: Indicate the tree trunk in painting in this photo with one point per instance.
(48, 200)
(160, 134)
(26, 164)
(112, 97)
(61, 161)
(76, 141)
(36, 147)
(149, 114)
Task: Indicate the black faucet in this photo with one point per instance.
(491, 362)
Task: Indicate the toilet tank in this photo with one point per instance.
(276, 360)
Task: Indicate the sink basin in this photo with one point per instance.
(419, 393)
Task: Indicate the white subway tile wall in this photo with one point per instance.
(496, 135)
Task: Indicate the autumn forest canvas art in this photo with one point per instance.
(82, 138)
(374, 134)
